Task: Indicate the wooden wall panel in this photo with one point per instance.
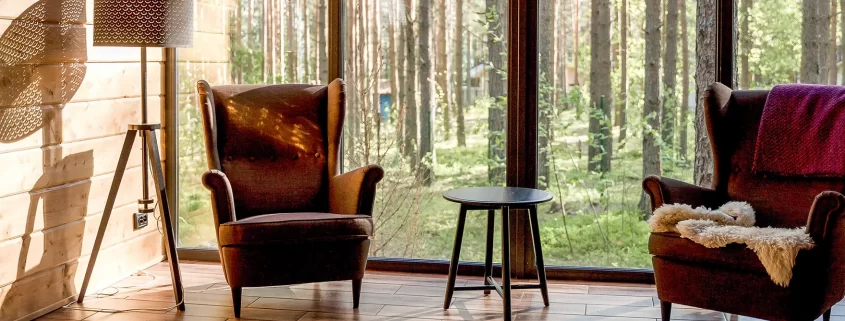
(57, 84)
(64, 109)
(48, 208)
(39, 293)
(66, 243)
(113, 116)
(62, 164)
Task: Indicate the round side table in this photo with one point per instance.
(491, 199)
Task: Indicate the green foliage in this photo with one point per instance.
(775, 27)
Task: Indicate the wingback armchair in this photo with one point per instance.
(283, 212)
(732, 279)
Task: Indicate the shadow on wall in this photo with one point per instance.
(42, 65)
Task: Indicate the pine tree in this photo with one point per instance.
(601, 92)
(652, 101)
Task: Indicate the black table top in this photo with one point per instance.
(497, 196)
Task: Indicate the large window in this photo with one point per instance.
(618, 83)
(616, 103)
(426, 100)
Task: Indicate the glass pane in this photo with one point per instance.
(239, 42)
(426, 100)
(787, 42)
(617, 103)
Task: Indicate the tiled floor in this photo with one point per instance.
(385, 297)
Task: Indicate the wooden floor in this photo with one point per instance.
(385, 297)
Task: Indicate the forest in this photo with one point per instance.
(621, 83)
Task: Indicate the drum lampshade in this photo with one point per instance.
(143, 23)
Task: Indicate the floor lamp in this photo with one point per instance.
(143, 23)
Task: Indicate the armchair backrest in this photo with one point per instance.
(277, 144)
(733, 120)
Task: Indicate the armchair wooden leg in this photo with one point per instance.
(236, 300)
(356, 292)
(665, 310)
(826, 316)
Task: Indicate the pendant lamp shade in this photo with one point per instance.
(143, 23)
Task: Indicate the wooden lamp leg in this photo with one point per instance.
(154, 159)
(164, 207)
(104, 221)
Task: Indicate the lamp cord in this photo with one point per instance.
(100, 293)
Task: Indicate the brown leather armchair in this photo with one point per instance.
(732, 279)
(283, 213)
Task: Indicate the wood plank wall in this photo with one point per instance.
(64, 107)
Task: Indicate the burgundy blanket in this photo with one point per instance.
(802, 132)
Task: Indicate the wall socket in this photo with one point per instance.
(141, 220)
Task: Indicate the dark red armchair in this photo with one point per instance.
(284, 214)
(732, 279)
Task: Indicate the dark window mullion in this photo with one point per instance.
(522, 119)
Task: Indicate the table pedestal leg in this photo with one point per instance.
(456, 254)
(538, 254)
(488, 257)
(506, 264)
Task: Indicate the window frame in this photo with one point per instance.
(521, 149)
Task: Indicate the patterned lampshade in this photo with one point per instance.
(143, 23)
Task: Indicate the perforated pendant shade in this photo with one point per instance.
(143, 23)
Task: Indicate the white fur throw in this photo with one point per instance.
(734, 223)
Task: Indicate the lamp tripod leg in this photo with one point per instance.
(104, 221)
(164, 207)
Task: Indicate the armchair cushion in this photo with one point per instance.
(293, 228)
(671, 246)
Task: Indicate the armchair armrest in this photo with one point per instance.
(669, 191)
(355, 191)
(222, 201)
(825, 216)
(826, 225)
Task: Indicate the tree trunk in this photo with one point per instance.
(251, 37)
(652, 103)
(391, 60)
(546, 73)
(306, 68)
(601, 92)
(832, 48)
(622, 119)
(824, 39)
(745, 43)
(321, 43)
(376, 63)
(810, 69)
(290, 43)
(576, 29)
(411, 118)
(670, 70)
(441, 73)
(236, 39)
(496, 26)
(683, 122)
(561, 48)
(458, 69)
(842, 31)
(705, 74)
(399, 71)
(426, 110)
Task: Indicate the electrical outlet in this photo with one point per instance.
(141, 220)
